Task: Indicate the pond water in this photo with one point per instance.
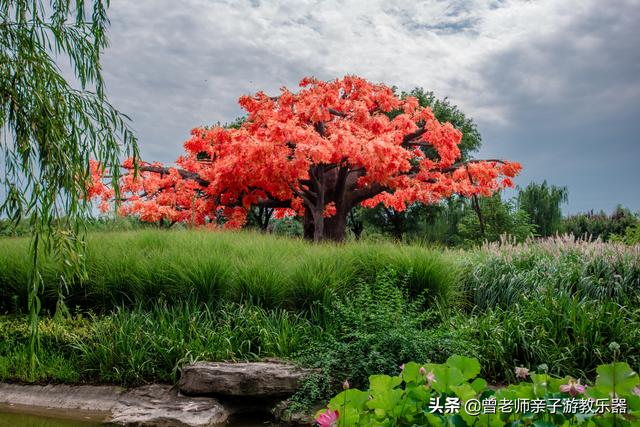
(9, 419)
(12, 417)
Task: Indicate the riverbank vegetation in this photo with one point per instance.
(156, 300)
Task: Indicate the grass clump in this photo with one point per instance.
(558, 302)
(137, 346)
(131, 268)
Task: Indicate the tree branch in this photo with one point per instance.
(185, 174)
(337, 113)
(463, 164)
(365, 193)
(408, 138)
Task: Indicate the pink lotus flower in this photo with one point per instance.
(328, 418)
(521, 372)
(573, 387)
(402, 367)
(636, 390)
(423, 371)
(431, 378)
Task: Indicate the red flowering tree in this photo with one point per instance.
(317, 154)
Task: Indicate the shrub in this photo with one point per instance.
(376, 328)
(599, 225)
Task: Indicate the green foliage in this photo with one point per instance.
(453, 222)
(51, 129)
(131, 347)
(600, 225)
(558, 302)
(499, 218)
(542, 203)
(441, 222)
(131, 268)
(377, 328)
(631, 235)
(290, 227)
(392, 222)
(568, 334)
(418, 397)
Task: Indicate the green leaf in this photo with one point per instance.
(379, 383)
(445, 377)
(618, 377)
(468, 366)
(411, 372)
(436, 420)
(479, 385)
(464, 391)
(351, 397)
(385, 402)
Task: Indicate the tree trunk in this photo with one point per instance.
(318, 226)
(356, 224)
(335, 227)
(476, 207)
(307, 225)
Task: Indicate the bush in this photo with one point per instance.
(599, 225)
(376, 329)
(499, 218)
(631, 235)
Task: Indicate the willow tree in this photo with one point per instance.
(542, 202)
(51, 127)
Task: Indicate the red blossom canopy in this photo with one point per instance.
(316, 153)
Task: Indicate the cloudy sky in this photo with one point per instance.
(552, 84)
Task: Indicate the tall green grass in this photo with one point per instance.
(139, 345)
(130, 268)
(501, 275)
(558, 302)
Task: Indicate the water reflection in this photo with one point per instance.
(22, 420)
(11, 419)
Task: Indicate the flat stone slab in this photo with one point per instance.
(149, 406)
(253, 379)
(60, 396)
(159, 406)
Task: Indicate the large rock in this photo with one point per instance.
(160, 406)
(258, 379)
(61, 397)
(149, 406)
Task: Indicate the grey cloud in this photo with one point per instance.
(573, 102)
(552, 84)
